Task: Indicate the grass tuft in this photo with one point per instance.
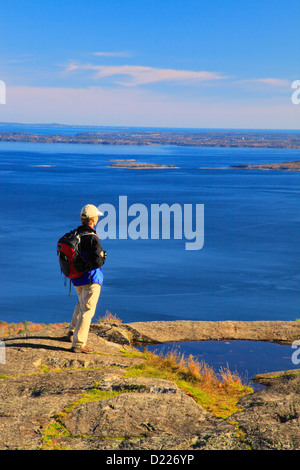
(109, 318)
(216, 392)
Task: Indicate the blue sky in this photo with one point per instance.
(171, 63)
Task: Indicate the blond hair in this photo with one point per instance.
(85, 220)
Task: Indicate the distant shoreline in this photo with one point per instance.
(227, 139)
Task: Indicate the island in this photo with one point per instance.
(140, 166)
(287, 166)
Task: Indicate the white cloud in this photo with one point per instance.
(135, 75)
(272, 82)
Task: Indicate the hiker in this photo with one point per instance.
(88, 285)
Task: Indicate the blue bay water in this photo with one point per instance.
(248, 268)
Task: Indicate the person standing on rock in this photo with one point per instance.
(88, 286)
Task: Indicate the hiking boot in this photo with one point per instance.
(69, 336)
(82, 349)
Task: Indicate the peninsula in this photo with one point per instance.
(239, 139)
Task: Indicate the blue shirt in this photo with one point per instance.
(95, 276)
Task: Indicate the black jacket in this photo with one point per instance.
(91, 247)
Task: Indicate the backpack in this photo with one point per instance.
(71, 262)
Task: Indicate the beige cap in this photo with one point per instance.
(90, 211)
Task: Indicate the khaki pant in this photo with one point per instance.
(85, 308)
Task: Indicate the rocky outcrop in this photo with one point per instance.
(151, 414)
(43, 384)
(156, 332)
(270, 418)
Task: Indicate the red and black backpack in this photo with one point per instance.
(71, 262)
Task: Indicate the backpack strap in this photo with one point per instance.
(87, 233)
